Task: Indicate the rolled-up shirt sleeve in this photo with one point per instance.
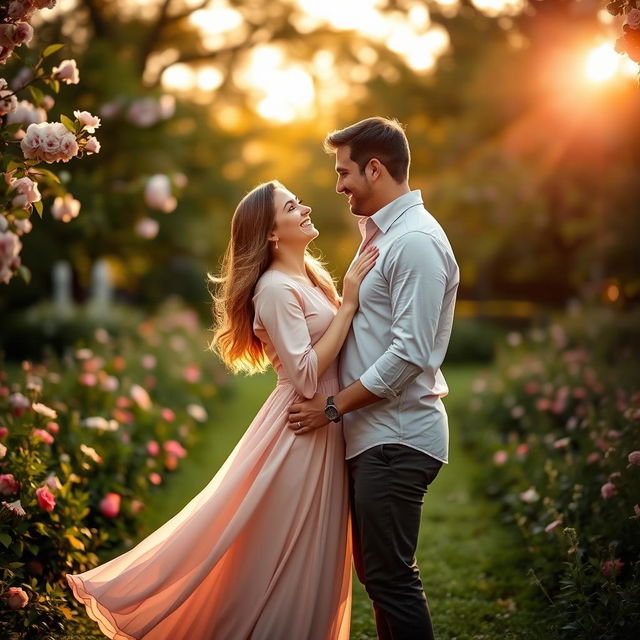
(417, 275)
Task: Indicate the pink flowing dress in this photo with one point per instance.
(264, 550)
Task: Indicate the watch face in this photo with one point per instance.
(331, 412)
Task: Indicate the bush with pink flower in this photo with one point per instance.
(84, 439)
(562, 410)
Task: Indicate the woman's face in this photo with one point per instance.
(293, 224)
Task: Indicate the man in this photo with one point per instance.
(394, 421)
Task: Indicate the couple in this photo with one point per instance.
(264, 551)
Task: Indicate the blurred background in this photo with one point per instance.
(522, 119)
(524, 127)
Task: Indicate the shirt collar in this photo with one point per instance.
(385, 217)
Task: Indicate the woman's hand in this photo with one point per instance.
(355, 274)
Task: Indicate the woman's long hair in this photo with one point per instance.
(247, 257)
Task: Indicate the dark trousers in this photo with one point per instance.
(387, 484)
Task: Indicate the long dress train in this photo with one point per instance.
(264, 550)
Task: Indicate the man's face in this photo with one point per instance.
(353, 184)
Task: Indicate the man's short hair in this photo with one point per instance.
(376, 137)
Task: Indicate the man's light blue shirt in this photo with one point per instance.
(400, 333)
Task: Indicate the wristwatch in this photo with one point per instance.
(331, 411)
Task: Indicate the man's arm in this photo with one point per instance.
(417, 276)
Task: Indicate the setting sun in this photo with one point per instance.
(603, 63)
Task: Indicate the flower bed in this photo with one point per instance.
(84, 439)
(560, 418)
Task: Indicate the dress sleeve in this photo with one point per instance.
(278, 308)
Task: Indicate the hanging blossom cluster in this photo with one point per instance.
(15, 29)
(628, 43)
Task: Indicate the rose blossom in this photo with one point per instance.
(27, 192)
(8, 484)
(530, 495)
(46, 499)
(10, 247)
(16, 598)
(611, 568)
(157, 193)
(43, 410)
(92, 145)
(49, 141)
(45, 436)
(173, 447)
(153, 448)
(19, 9)
(9, 104)
(15, 507)
(500, 457)
(23, 34)
(634, 457)
(633, 18)
(87, 120)
(27, 113)
(67, 72)
(147, 228)
(608, 490)
(65, 208)
(3, 451)
(110, 505)
(552, 525)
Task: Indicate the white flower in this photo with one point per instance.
(147, 228)
(88, 121)
(43, 410)
(10, 247)
(93, 145)
(100, 423)
(157, 193)
(197, 412)
(65, 208)
(67, 72)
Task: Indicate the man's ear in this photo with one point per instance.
(374, 169)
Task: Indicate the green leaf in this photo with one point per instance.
(52, 48)
(25, 273)
(67, 122)
(55, 85)
(36, 94)
(49, 174)
(38, 207)
(75, 543)
(14, 164)
(5, 539)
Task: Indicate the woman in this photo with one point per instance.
(264, 550)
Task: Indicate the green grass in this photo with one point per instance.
(473, 567)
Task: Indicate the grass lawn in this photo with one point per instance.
(473, 567)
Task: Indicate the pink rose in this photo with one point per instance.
(52, 427)
(19, 403)
(500, 457)
(65, 208)
(522, 449)
(46, 499)
(23, 33)
(168, 414)
(608, 490)
(10, 247)
(67, 72)
(3, 432)
(88, 121)
(593, 457)
(634, 458)
(552, 525)
(8, 484)
(45, 436)
(92, 145)
(137, 506)
(19, 9)
(155, 478)
(153, 448)
(16, 598)
(174, 448)
(633, 18)
(611, 568)
(147, 228)
(110, 505)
